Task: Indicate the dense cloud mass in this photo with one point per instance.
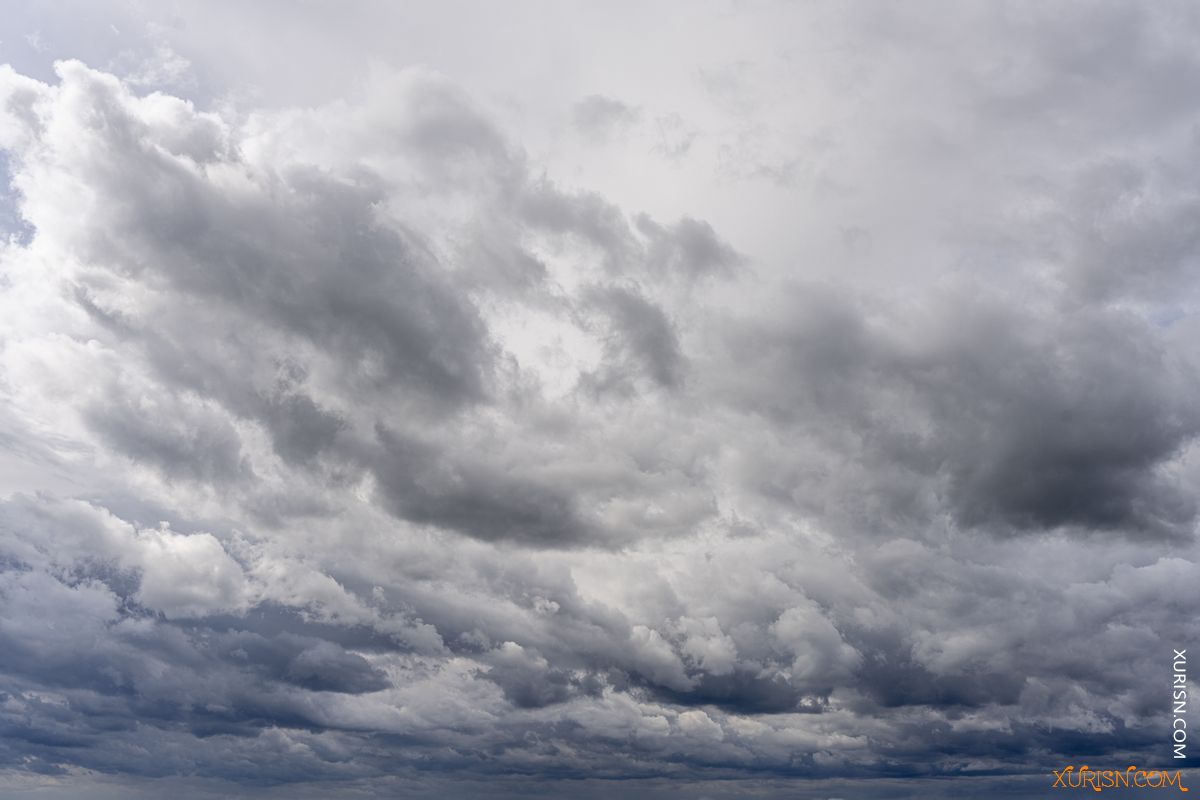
(803, 403)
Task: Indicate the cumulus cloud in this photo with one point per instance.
(365, 445)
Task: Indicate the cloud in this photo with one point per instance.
(598, 117)
(642, 341)
(360, 446)
(1023, 419)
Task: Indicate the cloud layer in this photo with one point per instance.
(360, 445)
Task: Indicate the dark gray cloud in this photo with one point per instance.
(1029, 419)
(299, 252)
(584, 216)
(472, 496)
(690, 247)
(641, 341)
(182, 441)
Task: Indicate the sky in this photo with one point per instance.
(562, 399)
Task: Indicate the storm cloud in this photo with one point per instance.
(800, 401)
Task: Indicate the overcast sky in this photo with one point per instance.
(551, 399)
